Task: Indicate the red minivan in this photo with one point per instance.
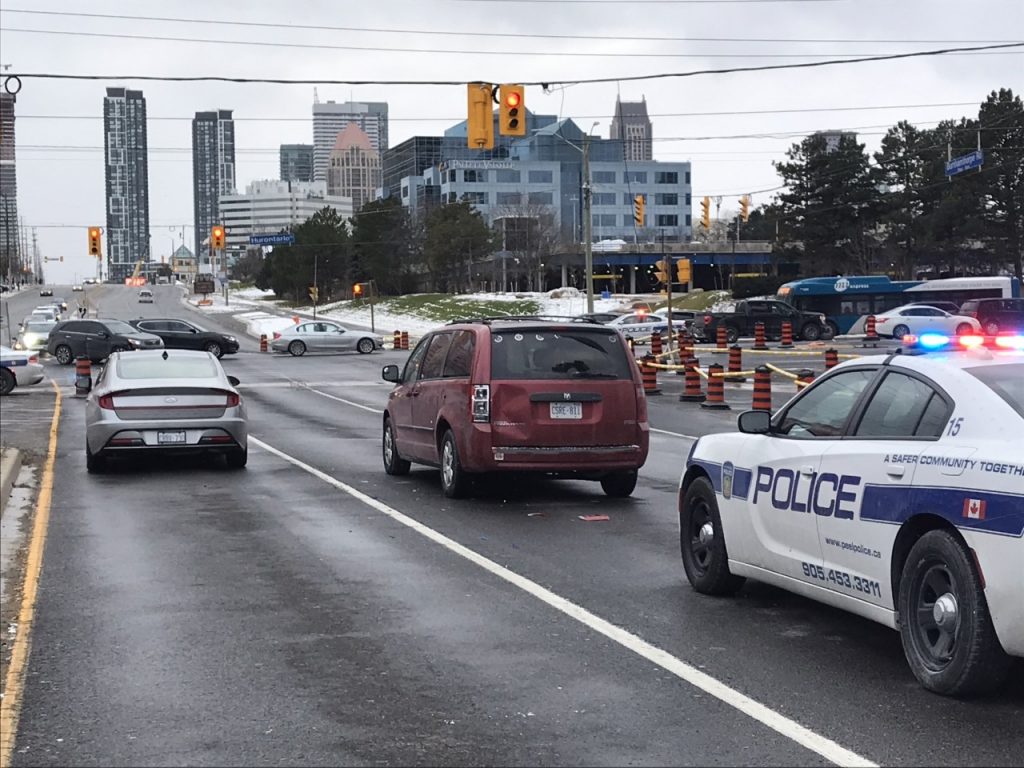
(518, 395)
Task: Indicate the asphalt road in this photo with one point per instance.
(312, 610)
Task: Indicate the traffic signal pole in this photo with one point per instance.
(670, 273)
(588, 249)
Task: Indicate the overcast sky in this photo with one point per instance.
(60, 191)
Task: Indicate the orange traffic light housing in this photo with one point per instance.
(479, 116)
(745, 208)
(662, 271)
(705, 213)
(639, 204)
(512, 110)
(217, 237)
(683, 273)
(94, 242)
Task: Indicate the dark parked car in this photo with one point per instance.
(741, 321)
(996, 315)
(597, 317)
(527, 395)
(181, 334)
(96, 339)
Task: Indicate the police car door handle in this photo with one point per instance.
(807, 469)
(895, 471)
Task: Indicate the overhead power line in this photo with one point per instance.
(543, 83)
(393, 119)
(497, 34)
(454, 51)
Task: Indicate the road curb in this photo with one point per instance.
(10, 465)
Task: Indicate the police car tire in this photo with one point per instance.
(978, 664)
(715, 579)
(7, 382)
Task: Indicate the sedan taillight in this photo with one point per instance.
(233, 400)
(107, 402)
(277, 335)
(34, 359)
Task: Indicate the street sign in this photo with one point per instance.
(965, 162)
(284, 238)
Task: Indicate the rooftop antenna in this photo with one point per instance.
(316, 97)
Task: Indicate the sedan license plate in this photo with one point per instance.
(566, 410)
(170, 437)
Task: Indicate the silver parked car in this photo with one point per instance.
(324, 336)
(169, 400)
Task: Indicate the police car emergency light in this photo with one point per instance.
(936, 342)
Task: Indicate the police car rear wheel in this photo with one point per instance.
(948, 637)
(701, 542)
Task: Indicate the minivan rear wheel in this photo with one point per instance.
(619, 485)
(454, 481)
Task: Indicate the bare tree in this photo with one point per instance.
(529, 232)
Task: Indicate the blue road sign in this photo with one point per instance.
(965, 162)
(284, 238)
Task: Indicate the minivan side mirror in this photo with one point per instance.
(390, 373)
(754, 422)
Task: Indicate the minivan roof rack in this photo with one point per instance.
(517, 318)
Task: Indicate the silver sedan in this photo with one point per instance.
(169, 400)
(324, 336)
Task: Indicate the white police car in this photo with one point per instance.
(893, 487)
(640, 324)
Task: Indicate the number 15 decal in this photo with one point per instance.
(954, 426)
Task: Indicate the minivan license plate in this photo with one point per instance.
(566, 410)
(170, 437)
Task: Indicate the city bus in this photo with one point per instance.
(845, 300)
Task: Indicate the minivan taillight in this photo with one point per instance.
(481, 402)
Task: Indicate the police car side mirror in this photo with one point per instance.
(754, 422)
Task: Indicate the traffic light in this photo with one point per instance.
(683, 274)
(638, 210)
(705, 215)
(314, 293)
(745, 208)
(357, 291)
(480, 116)
(62, 258)
(217, 237)
(512, 110)
(663, 271)
(94, 242)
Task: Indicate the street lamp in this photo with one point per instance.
(588, 246)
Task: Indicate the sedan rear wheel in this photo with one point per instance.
(63, 354)
(94, 463)
(900, 331)
(238, 458)
(365, 346)
(7, 382)
(297, 349)
(947, 633)
(214, 349)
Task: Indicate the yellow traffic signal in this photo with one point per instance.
(662, 271)
(638, 210)
(745, 208)
(217, 237)
(94, 242)
(480, 116)
(357, 291)
(683, 274)
(512, 110)
(705, 215)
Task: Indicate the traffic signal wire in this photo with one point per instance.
(542, 83)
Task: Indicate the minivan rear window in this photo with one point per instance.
(563, 353)
(1007, 381)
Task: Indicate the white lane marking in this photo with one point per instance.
(673, 434)
(343, 400)
(788, 728)
(296, 383)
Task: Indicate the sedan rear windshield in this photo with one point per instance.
(155, 367)
(1007, 381)
(564, 353)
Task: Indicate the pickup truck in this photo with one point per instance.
(809, 326)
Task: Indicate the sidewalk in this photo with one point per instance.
(10, 465)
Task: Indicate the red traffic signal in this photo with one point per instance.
(217, 237)
(357, 291)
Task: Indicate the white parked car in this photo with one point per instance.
(916, 319)
(893, 488)
(18, 369)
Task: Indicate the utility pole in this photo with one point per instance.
(668, 285)
(588, 225)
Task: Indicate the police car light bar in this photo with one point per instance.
(933, 342)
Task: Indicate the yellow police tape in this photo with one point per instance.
(780, 370)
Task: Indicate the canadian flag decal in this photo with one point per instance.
(974, 509)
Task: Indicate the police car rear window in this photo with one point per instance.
(544, 353)
(1007, 381)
